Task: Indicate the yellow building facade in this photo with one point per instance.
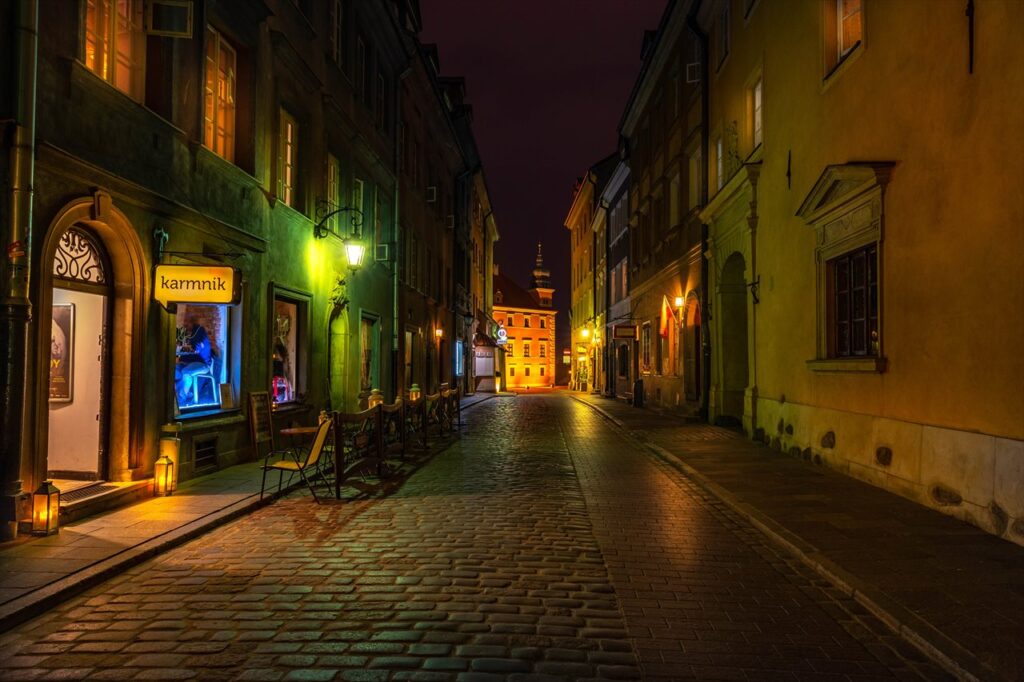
(526, 329)
(865, 244)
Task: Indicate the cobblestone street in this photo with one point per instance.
(542, 545)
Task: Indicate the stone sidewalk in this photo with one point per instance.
(38, 573)
(954, 590)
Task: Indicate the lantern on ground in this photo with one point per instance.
(376, 398)
(45, 509)
(165, 469)
(414, 392)
(679, 301)
(163, 476)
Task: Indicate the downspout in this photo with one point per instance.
(462, 219)
(15, 308)
(705, 295)
(396, 213)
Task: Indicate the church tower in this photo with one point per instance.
(540, 288)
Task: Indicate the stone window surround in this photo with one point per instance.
(846, 209)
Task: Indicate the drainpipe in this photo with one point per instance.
(705, 294)
(15, 308)
(396, 312)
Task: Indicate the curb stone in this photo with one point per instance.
(945, 652)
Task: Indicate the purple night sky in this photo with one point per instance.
(548, 81)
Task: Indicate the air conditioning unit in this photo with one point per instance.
(450, 223)
(431, 194)
(693, 72)
(381, 253)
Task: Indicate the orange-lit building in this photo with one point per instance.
(528, 321)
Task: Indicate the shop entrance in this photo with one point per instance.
(79, 359)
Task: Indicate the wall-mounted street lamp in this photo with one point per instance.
(679, 301)
(438, 332)
(355, 250)
(585, 332)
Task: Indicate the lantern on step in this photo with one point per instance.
(165, 468)
(376, 398)
(414, 392)
(45, 509)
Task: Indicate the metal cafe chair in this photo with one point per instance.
(308, 467)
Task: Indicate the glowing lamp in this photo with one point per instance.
(438, 332)
(376, 398)
(354, 252)
(165, 468)
(163, 476)
(679, 301)
(414, 392)
(585, 332)
(45, 509)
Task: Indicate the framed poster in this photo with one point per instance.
(62, 353)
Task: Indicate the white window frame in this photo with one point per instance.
(288, 158)
(757, 111)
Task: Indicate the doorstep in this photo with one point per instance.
(101, 497)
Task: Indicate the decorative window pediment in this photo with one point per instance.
(846, 208)
(841, 184)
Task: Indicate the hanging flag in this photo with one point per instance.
(666, 313)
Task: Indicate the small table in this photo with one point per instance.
(296, 431)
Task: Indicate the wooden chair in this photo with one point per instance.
(308, 467)
(393, 429)
(416, 422)
(432, 414)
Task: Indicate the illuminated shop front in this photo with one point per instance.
(202, 348)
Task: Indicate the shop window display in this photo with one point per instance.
(200, 355)
(285, 346)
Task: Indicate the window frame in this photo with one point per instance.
(846, 209)
(375, 351)
(756, 94)
(107, 70)
(231, 353)
(212, 99)
(288, 159)
(336, 27)
(301, 300)
(836, 55)
(722, 35)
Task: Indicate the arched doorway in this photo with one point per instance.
(79, 363)
(735, 373)
(87, 235)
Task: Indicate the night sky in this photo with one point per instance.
(548, 81)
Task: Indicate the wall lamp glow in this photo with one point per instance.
(355, 250)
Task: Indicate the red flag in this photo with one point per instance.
(666, 313)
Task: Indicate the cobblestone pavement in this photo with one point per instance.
(544, 545)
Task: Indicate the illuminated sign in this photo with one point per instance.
(196, 284)
(502, 336)
(624, 331)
